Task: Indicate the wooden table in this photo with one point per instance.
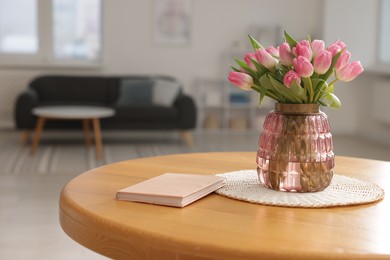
(89, 115)
(216, 226)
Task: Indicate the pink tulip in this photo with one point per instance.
(340, 44)
(334, 48)
(343, 60)
(317, 46)
(322, 62)
(241, 80)
(303, 49)
(273, 51)
(285, 54)
(248, 59)
(290, 77)
(349, 71)
(303, 67)
(266, 59)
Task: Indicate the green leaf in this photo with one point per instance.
(242, 64)
(247, 69)
(290, 96)
(299, 91)
(318, 83)
(290, 40)
(256, 45)
(264, 92)
(261, 99)
(308, 84)
(260, 68)
(279, 73)
(235, 69)
(320, 86)
(266, 82)
(331, 100)
(260, 89)
(330, 89)
(271, 91)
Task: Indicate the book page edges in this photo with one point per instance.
(172, 185)
(175, 201)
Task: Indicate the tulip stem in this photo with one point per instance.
(311, 91)
(334, 81)
(309, 88)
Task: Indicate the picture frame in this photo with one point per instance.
(172, 22)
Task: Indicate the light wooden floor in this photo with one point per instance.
(29, 227)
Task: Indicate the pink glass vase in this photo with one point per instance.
(296, 149)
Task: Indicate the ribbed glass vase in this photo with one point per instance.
(296, 149)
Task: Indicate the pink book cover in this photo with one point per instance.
(172, 189)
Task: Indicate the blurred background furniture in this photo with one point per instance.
(140, 102)
(90, 116)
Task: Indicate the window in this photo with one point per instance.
(384, 33)
(50, 32)
(18, 33)
(76, 29)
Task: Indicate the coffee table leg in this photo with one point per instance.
(86, 133)
(37, 134)
(98, 137)
(24, 137)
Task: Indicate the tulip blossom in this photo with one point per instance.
(336, 47)
(340, 44)
(241, 80)
(285, 54)
(266, 59)
(349, 71)
(248, 59)
(296, 72)
(317, 46)
(303, 49)
(273, 51)
(343, 60)
(290, 77)
(322, 62)
(303, 67)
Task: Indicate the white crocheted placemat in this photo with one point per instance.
(343, 191)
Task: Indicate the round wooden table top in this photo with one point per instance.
(217, 226)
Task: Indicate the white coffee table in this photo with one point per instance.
(87, 114)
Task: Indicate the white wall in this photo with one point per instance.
(216, 24)
(356, 23)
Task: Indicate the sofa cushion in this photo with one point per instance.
(165, 92)
(135, 92)
(146, 112)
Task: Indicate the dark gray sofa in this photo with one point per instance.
(140, 102)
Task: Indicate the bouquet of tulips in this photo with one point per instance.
(296, 72)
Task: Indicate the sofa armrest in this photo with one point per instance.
(187, 110)
(25, 102)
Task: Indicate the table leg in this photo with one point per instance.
(37, 134)
(187, 137)
(98, 137)
(86, 133)
(24, 137)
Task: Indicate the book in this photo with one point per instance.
(172, 189)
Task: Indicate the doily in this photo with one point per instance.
(343, 191)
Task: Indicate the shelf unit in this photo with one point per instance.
(223, 107)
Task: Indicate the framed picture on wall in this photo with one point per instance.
(172, 22)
